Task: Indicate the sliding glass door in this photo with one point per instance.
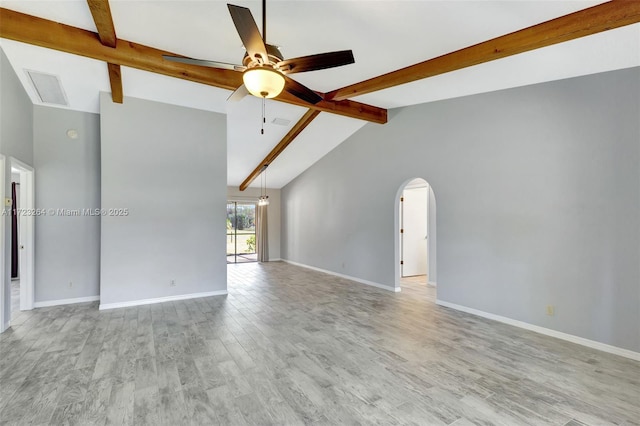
(241, 232)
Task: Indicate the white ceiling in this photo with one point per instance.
(384, 36)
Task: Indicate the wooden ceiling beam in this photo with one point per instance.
(603, 17)
(101, 13)
(281, 146)
(52, 35)
(115, 78)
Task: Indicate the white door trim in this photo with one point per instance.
(26, 234)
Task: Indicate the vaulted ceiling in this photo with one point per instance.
(384, 36)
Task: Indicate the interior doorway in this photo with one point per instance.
(22, 238)
(241, 232)
(415, 234)
(413, 230)
(14, 255)
(3, 323)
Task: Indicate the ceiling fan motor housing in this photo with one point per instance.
(273, 52)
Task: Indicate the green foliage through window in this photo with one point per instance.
(251, 244)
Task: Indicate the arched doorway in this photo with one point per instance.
(415, 236)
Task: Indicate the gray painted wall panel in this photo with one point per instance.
(538, 202)
(16, 140)
(16, 110)
(167, 165)
(67, 177)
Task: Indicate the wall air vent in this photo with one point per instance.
(48, 88)
(281, 121)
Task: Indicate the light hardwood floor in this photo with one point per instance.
(15, 300)
(293, 346)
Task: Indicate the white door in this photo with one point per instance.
(414, 232)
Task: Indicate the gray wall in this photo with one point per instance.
(16, 140)
(16, 112)
(67, 176)
(433, 238)
(538, 202)
(273, 213)
(167, 165)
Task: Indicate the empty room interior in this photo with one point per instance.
(432, 212)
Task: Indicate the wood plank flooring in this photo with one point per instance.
(15, 300)
(291, 346)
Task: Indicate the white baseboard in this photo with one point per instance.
(139, 302)
(546, 331)
(275, 260)
(348, 277)
(48, 303)
(433, 283)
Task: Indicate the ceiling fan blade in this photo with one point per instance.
(301, 91)
(238, 94)
(248, 31)
(204, 63)
(317, 62)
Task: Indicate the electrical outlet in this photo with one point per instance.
(172, 283)
(551, 310)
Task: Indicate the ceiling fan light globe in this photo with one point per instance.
(263, 82)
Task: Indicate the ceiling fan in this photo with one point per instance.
(265, 71)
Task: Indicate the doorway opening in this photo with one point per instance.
(415, 235)
(241, 232)
(3, 323)
(21, 235)
(16, 205)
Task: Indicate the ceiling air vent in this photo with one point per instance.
(48, 88)
(281, 121)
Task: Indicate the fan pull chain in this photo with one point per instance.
(264, 120)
